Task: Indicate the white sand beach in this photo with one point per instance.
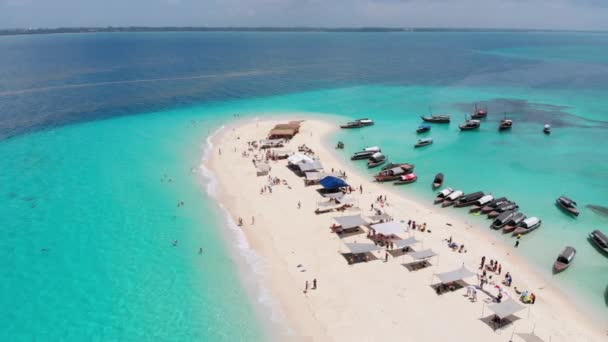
(374, 300)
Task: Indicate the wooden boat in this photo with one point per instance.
(394, 173)
(477, 205)
(406, 179)
(527, 225)
(358, 123)
(438, 181)
(436, 118)
(600, 240)
(366, 153)
(340, 145)
(502, 219)
(479, 113)
(502, 209)
(376, 159)
(505, 124)
(468, 199)
(567, 205)
(451, 198)
(564, 259)
(423, 129)
(547, 129)
(441, 195)
(470, 125)
(394, 165)
(514, 222)
(483, 202)
(492, 205)
(424, 142)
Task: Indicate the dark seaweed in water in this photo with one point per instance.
(598, 209)
(539, 113)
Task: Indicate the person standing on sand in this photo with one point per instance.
(314, 284)
(252, 220)
(299, 205)
(361, 188)
(516, 243)
(220, 151)
(483, 261)
(306, 287)
(385, 256)
(499, 269)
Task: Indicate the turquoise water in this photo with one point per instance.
(101, 136)
(90, 217)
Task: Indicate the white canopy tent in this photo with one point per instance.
(358, 248)
(530, 337)
(506, 308)
(405, 242)
(423, 254)
(389, 228)
(314, 166)
(299, 158)
(350, 221)
(334, 195)
(457, 274)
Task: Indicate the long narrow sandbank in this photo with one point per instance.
(374, 300)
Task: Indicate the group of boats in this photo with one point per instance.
(503, 211)
(470, 124)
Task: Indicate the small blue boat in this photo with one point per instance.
(423, 128)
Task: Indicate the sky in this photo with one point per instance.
(531, 14)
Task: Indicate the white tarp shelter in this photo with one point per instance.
(299, 158)
(359, 248)
(381, 217)
(334, 195)
(351, 221)
(405, 242)
(458, 274)
(314, 166)
(530, 337)
(506, 308)
(423, 254)
(389, 228)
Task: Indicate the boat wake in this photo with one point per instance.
(254, 267)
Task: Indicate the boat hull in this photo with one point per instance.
(559, 266)
(568, 210)
(434, 120)
(524, 231)
(405, 182)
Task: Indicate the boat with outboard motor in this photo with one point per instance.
(564, 259)
(423, 128)
(469, 125)
(358, 123)
(505, 124)
(424, 142)
(451, 198)
(366, 153)
(502, 219)
(436, 118)
(502, 208)
(567, 205)
(547, 129)
(406, 179)
(600, 240)
(513, 222)
(527, 225)
(468, 199)
(376, 159)
(441, 195)
(494, 204)
(438, 180)
(479, 203)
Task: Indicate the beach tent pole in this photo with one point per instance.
(512, 333)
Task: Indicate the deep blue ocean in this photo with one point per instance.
(101, 135)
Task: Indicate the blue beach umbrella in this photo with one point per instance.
(330, 182)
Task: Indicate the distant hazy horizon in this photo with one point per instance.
(464, 14)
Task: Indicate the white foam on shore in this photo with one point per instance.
(254, 268)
